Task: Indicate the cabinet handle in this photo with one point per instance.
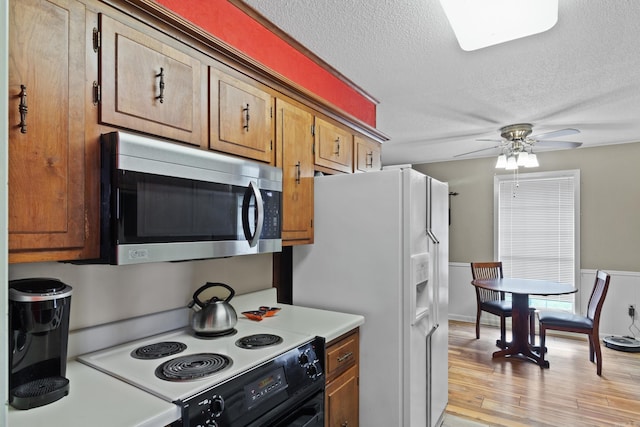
(337, 152)
(345, 357)
(369, 161)
(161, 85)
(23, 109)
(246, 118)
(345, 424)
(298, 173)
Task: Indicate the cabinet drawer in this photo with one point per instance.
(342, 354)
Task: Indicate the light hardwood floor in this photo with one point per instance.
(513, 392)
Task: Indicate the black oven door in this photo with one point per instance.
(308, 413)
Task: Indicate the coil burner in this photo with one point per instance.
(192, 366)
(158, 350)
(258, 341)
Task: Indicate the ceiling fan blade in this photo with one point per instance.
(492, 140)
(555, 134)
(477, 151)
(557, 144)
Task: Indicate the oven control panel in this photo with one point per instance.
(262, 394)
(271, 383)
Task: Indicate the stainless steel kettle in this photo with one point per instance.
(215, 316)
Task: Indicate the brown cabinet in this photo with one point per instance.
(367, 156)
(334, 146)
(47, 198)
(148, 85)
(342, 387)
(241, 117)
(294, 142)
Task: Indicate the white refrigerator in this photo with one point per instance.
(381, 250)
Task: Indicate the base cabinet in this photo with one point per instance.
(342, 407)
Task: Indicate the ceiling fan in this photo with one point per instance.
(517, 139)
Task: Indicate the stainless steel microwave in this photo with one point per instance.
(167, 202)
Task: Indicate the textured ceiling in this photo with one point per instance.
(436, 100)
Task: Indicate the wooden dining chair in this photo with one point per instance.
(490, 301)
(494, 302)
(589, 324)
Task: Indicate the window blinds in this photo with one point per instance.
(536, 228)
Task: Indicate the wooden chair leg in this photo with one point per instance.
(598, 352)
(478, 323)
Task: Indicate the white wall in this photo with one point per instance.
(624, 289)
(105, 293)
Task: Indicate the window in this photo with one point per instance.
(537, 229)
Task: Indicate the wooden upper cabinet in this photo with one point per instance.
(148, 85)
(334, 146)
(295, 156)
(367, 156)
(241, 117)
(46, 129)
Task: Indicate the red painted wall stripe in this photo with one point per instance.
(228, 23)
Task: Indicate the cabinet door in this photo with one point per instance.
(341, 400)
(367, 155)
(241, 117)
(148, 85)
(295, 145)
(334, 146)
(46, 132)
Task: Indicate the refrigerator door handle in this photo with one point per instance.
(432, 236)
(433, 329)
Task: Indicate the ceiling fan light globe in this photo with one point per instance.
(512, 164)
(502, 162)
(532, 161)
(523, 158)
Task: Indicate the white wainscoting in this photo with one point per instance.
(624, 289)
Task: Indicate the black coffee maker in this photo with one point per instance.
(38, 335)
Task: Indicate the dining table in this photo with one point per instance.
(520, 289)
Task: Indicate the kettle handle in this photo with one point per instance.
(208, 285)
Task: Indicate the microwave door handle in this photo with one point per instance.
(252, 190)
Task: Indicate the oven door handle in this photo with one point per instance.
(252, 190)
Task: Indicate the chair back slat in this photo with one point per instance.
(598, 294)
(487, 270)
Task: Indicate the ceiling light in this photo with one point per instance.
(512, 164)
(532, 161)
(479, 24)
(522, 158)
(515, 154)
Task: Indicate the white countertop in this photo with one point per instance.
(327, 324)
(97, 399)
